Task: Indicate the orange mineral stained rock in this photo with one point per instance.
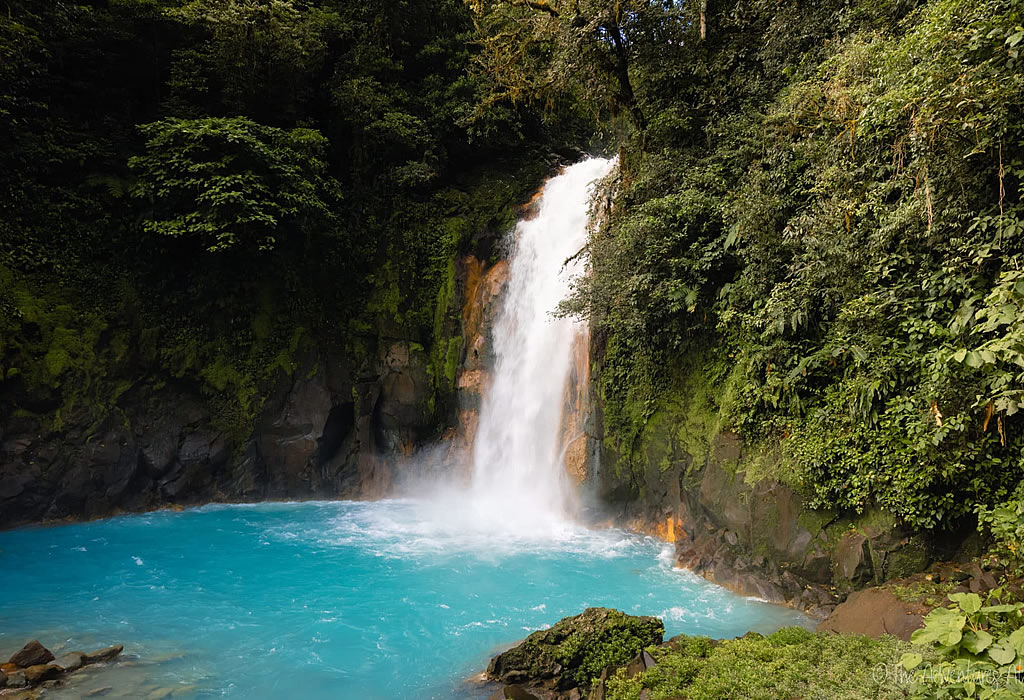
(667, 531)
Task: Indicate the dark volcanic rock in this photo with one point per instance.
(576, 650)
(327, 428)
(32, 654)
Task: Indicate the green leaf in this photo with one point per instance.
(1002, 654)
(977, 642)
(910, 661)
(951, 638)
(969, 602)
(731, 238)
(924, 636)
(1016, 640)
(1005, 608)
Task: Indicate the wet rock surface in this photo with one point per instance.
(71, 661)
(42, 672)
(31, 654)
(105, 654)
(30, 669)
(327, 429)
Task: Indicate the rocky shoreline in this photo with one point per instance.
(34, 668)
(575, 658)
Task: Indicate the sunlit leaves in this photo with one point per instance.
(978, 645)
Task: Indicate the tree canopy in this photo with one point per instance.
(230, 182)
(586, 51)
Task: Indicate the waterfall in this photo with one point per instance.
(518, 475)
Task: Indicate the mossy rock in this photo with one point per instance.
(576, 649)
(909, 559)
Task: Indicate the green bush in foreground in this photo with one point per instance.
(791, 663)
(981, 646)
(1005, 523)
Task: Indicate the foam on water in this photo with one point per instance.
(328, 600)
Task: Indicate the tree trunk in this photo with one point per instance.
(621, 70)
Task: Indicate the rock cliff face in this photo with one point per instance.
(326, 430)
(481, 300)
(577, 413)
(752, 535)
(329, 426)
(483, 287)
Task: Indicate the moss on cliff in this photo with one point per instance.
(75, 355)
(64, 356)
(646, 425)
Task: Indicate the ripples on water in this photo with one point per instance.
(329, 599)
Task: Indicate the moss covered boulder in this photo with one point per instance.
(576, 649)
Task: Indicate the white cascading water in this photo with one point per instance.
(518, 477)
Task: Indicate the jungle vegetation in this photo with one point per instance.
(819, 201)
(192, 190)
(816, 226)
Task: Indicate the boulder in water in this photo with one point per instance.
(576, 649)
(71, 661)
(42, 672)
(32, 654)
(107, 654)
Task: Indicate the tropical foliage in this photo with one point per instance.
(827, 199)
(215, 183)
(980, 647)
(231, 182)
